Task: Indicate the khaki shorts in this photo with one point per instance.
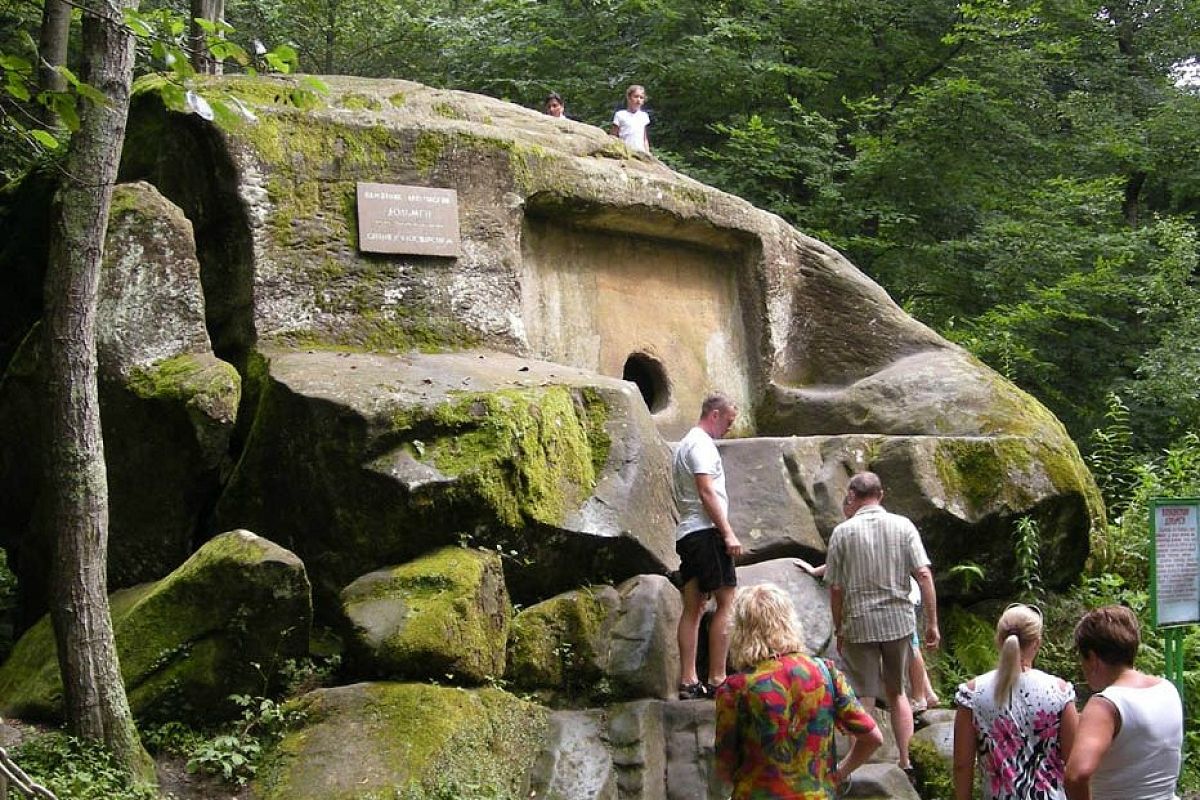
(877, 669)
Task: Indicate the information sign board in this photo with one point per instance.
(418, 220)
(1175, 562)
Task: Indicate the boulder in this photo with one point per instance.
(601, 643)
(965, 494)
(443, 616)
(561, 644)
(809, 596)
(881, 781)
(359, 460)
(689, 730)
(369, 740)
(218, 625)
(168, 405)
(574, 763)
(628, 751)
(643, 655)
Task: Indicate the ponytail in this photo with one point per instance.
(1008, 669)
(1019, 626)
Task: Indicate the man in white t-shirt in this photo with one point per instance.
(630, 123)
(706, 544)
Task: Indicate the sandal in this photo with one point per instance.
(695, 691)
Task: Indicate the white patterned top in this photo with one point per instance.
(1019, 752)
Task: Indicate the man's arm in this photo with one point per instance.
(712, 507)
(924, 576)
(964, 753)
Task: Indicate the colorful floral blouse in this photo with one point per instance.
(774, 737)
(1018, 745)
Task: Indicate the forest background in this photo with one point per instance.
(1023, 177)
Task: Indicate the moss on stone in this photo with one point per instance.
(558, 640)
(411, 742)
(427, 151)
(359, 102)
(448, 111)
(185, 642)
(208, 386)
(527, 453)
(398, 99)
(446, 612)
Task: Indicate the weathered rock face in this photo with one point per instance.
(964, 494)
(405, 740)
(445, 613)
(577, 252)
(167, 403)
(239, 605)
(358, 461)
(647, 749)
(600, 643)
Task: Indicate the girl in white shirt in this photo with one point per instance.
(630, 123)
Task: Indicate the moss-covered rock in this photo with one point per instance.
(220, 624)
(168, 405)
(409, 741)
(561, 644)
(358, 460)
(444, 616)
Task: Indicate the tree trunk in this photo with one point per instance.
(93, 694)
(52, 52)
(213, 11)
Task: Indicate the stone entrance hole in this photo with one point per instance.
(651, 379)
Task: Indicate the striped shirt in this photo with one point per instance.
(871, 557)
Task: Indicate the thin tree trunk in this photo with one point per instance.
(213, 11)
(52, 52)
(93, 693)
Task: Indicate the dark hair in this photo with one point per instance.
(865, 484)
(1111, 632)
(553, 96)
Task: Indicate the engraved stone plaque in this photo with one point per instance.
(417, 220)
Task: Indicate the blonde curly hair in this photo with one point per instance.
(764, 624)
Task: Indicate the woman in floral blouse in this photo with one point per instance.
(776, 716)
(1017, 721)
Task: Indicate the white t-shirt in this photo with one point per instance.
(631, 127)
(696, 454)
(1143, 761)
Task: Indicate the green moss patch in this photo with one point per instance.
(559, 642)
(210, 629)
(444, 616)
(404, 741)
(530, 454)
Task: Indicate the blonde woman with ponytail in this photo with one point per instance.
(1016, 721)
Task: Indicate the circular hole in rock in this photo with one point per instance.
(651, 379)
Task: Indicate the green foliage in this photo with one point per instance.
(1027, 549)
(968, 575)
(1111, 457)
(234, 754)
(77, 769)
(933, 776)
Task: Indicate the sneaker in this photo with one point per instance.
(695, 691)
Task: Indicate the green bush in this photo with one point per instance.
(77, 769)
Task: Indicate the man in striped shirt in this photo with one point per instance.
(871, 556)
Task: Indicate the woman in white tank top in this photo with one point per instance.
(1131, 731)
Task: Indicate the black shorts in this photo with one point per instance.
(703, 555)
